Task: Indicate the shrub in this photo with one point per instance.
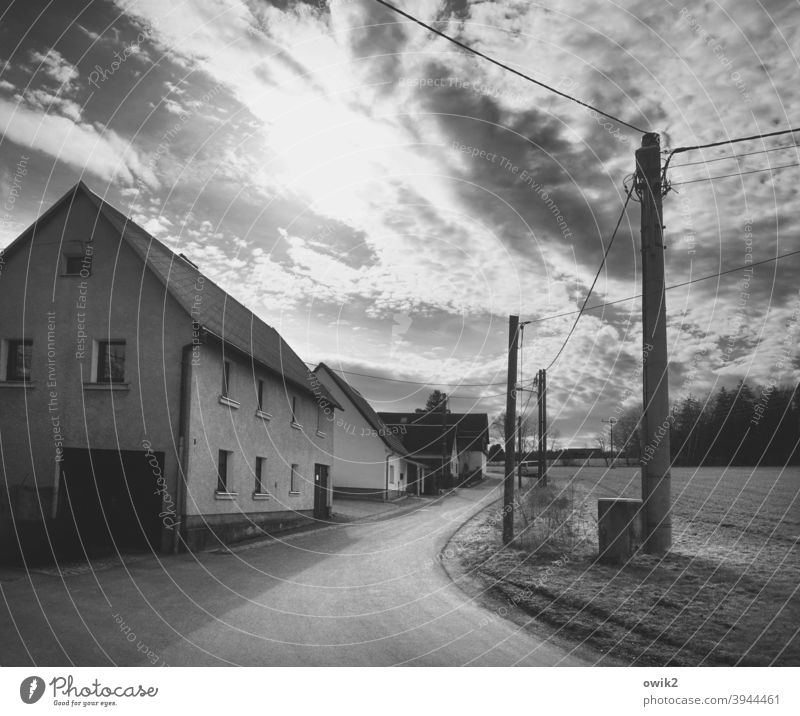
(551, 520)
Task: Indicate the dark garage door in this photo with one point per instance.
(110, 498)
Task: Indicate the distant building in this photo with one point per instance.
(370, 459)
(464, 439)
(140, 404)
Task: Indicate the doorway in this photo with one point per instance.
(322, 511)
(110, 500)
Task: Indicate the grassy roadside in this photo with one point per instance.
(727, 593)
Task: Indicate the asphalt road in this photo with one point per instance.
(368, 594)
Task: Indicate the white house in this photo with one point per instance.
(370, 460)
(140, 404)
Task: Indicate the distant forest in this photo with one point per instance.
(743, 426)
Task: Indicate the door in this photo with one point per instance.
(321, 492)
(109, 499)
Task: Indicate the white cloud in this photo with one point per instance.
(85, 147)
(53, 64)
(341, 138)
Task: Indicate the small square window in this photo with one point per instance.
(294, 480)
(73, 265)
(19, 360)
(222, 471)
(260, 463)
(111, 361)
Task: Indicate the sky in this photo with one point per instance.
(386, 200)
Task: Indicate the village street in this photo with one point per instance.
(360, 594)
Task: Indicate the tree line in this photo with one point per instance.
(743, 426)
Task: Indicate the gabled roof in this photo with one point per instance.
(360, 402)
(420, 439)
(470, 425)
(218, 313)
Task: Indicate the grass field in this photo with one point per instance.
(727, 593)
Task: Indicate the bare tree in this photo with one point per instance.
(600, 439)
(553, 436)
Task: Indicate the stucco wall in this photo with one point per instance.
(216, 426)
(472, 460)
(360, 455)
(63, 314)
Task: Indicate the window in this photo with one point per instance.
(111, 361)
(77, 259)
(391, 474)
(319, 420)
(261, 395)
(294, 480)
(294, 410)
(73, 265)
(18, 367)
(260, 461)
(226, 378)
(222, 471)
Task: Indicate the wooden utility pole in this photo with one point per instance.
(611, 422)
(443, 408)
(519, 451)
(539, 425)
(541, 382)
(511, 411)
(655, 459)
(543, 387)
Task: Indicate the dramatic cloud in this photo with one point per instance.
(387, 200)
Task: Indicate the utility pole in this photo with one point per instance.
(539, 424)
(511, 410)
(541, 382)
(519, 451)
(655, 459)
(543, 388)
(611, 422)
(443, 408)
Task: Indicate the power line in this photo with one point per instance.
(413, 382)
(736, 174)
(506, 67)
(736, 156)
(596, 276)
(737, 140)
(563, 315)
(668, 288)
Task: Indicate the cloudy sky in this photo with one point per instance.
(386, 200)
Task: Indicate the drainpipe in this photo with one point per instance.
(183, 448)
(386, 479)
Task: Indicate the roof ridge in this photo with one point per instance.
(174, 255)
(373, 419)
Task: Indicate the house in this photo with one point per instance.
(140, 404)
(465, 437)
(431, 445)
(370, 460)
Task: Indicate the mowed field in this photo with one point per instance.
(727, 593)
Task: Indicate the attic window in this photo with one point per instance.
(77, 265)
(403, 420)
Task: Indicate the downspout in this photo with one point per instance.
(386, 479)
(183, 449)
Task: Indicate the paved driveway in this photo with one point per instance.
(355, 594)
